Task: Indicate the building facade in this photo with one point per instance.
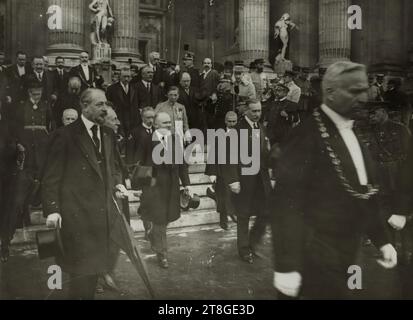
(220, 29)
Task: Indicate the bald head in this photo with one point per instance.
(162, 122)
(69, 116)
(231, 119)
(74, 85)
(185, 80)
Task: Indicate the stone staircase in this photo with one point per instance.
(203, 215)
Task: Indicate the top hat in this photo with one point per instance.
(210, 192)
(49, 243)
(259, 61)
(380, 75)
(187, 202)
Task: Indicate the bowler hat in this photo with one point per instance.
(259, 61)
(210, 192)
(187, 202)
(280, 85)
(49, 243)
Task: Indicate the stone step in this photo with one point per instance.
(188, 219)
(36, 216)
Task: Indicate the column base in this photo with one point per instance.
(124, 57)
(68, 51)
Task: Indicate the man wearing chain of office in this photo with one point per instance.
(325, 197)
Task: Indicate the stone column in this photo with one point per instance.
(69, 41)
(125, 42)
(334, 34)
(254, 30)
(389, 53)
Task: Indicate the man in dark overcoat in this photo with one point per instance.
(251, 189)
(325, 195)
(79, 182)
(218, 173)
(160, 203)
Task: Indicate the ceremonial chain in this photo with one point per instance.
(371, 191)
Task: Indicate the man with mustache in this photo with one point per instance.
(325, 198)
(80, 179)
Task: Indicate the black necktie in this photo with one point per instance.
(256, 125)
(149, 131)
(149, 87)
(95, 137)
(40, 77)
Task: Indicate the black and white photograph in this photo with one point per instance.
(225, 151)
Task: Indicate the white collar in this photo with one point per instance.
(340, 121)
(84, 66)
(206, 72)
(285, 98)
(20, 67)
(88, 124)
(146, 127)
(250, 122)
(146, 83)
(32, 101)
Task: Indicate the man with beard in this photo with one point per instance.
(209, 79)
(326, 199)
(84, 72)
(79, 182)
(282, 118)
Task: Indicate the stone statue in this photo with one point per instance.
(282, 29)
(102, 20)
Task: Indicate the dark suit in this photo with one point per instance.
(224, 197)
(208, 85)
(8, 172)
(61, 81)
(78, 72)
(191, 106)
(80, 189)
(316, 224)
(15, 87)
(195, 78)
(255, 189)
(149, 99)
(279, 127)
(138, 139)
(160, 204)
(48, 84)
(126, 105)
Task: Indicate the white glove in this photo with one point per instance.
(235, 187)
(288, 283)
(189, 191)
(389, 257)
(54, 220)
(397, 221)
(122, 193)
(213, 179)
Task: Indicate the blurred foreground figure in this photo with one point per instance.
(325, 197)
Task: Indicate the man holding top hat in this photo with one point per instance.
(81, 178)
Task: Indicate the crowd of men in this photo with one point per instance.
(334, 152)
